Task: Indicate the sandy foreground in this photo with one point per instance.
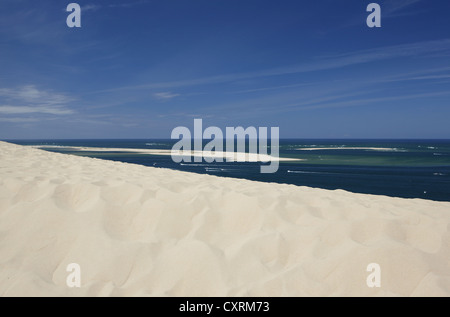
(141, 231)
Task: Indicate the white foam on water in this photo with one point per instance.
(306, 172)
(381, 149)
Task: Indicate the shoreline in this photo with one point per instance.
(143, 231)
(252, 157)
(234, 156)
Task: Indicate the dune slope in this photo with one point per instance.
(141, 231)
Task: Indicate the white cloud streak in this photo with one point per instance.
(31, 94)
(165, 95)
(324, 63)
(18, 120)
(128, 5)
(360, 102)
(31, 100)
(393, 6)
(90, 7)
(95, 7)
(31, 109)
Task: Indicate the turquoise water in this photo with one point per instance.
(399, 168)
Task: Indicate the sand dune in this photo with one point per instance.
(140, 231)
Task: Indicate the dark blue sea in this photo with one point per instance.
(398, 168)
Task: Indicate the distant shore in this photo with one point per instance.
(229, 156)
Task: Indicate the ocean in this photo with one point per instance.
(397, 168)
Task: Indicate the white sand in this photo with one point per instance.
(228, 156)
(138, 231)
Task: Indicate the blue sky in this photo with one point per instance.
(138, 69)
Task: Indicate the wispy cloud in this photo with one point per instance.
(165, 95)
(128, 4)
(29, 99)
(31, 94)
(270, 88)
(393, 7)
(95, 7)
(424, 74)
(334, 102)
(336, 61)
(365, 101)
(32, 109)
(431, 77)
(19, 120)
(90, 7)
